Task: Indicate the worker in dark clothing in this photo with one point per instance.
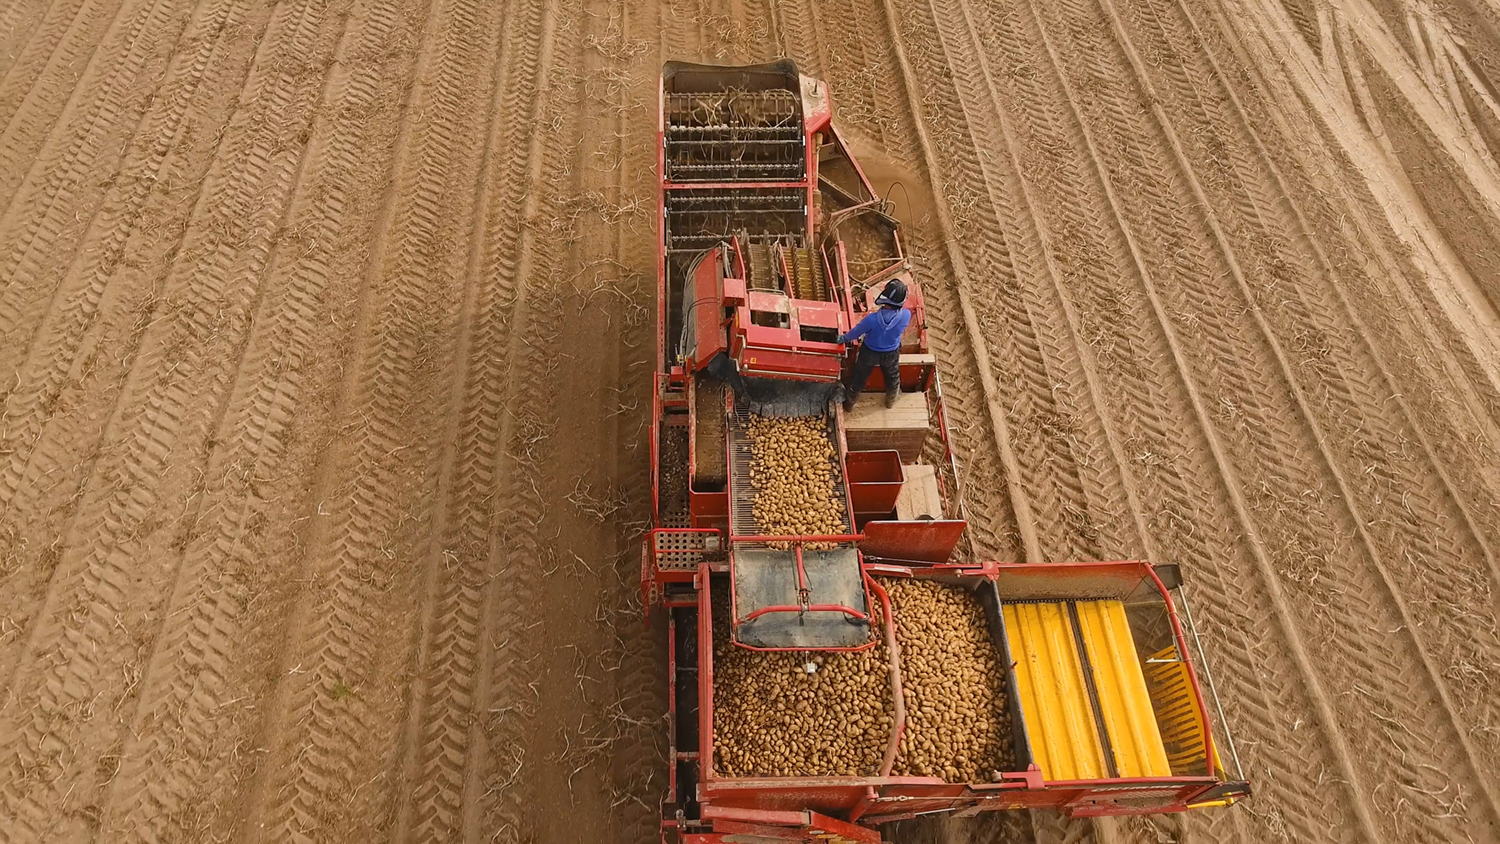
(881, 330)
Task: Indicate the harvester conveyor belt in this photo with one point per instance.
(767, 577)
(742, 491)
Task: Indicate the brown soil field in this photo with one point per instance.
(325, 351)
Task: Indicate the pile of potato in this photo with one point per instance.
(795, 475)
(774, 718)
(957, 721)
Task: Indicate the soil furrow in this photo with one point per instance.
(464, 616)
(1402, 335)
(1374, 422)
(50, 149)
(1150, 456)
(39, 36)
(19, 21)
(53, 427)
(190, 677)
(1093, 518)
(44, 77)
(1251, 412)
(67, 329)
(1449, 573)
(372, 487)
(72, 645)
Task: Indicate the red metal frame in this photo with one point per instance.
(882, 798)
(805, 808)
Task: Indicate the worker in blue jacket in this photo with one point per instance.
(881, 330)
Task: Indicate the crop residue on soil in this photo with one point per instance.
(326, 338)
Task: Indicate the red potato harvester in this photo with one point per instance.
(773, 243)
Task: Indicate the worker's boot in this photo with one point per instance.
(890, 397)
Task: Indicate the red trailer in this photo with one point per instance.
(772, 244)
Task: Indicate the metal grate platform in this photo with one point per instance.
(764, 577)
(678, 550)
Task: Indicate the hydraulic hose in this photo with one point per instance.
(894, 649)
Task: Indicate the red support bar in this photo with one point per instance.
(799, 185)
(810, 608)
(766, 816)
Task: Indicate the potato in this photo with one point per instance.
(957, 721)
(773, 718)
(795, 473)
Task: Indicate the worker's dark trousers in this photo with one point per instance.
(864, 363)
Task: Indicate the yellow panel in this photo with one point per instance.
(1054, 700)
(1177, 714)
(1123, 699)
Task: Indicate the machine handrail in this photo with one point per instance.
(846, 610)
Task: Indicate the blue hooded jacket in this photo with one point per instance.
(882, 329)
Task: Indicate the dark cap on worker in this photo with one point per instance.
(893, 294)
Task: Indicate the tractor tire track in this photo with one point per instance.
(38, 446)
(1378, 461)
(42, 166)
(188, 680)
(1176, 517)
(193, 73)
(1082, 829)
(1315, 559)
(452, 760)
(44, 76)
(33, 40)
(18, 21)
(264, 576)
(1161, 464)
(794, 25)
(1445, 399)
(1448, 572)
(88, 256)
(437, 157)
(1057, 406)
(218, 298)
(67, 329)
